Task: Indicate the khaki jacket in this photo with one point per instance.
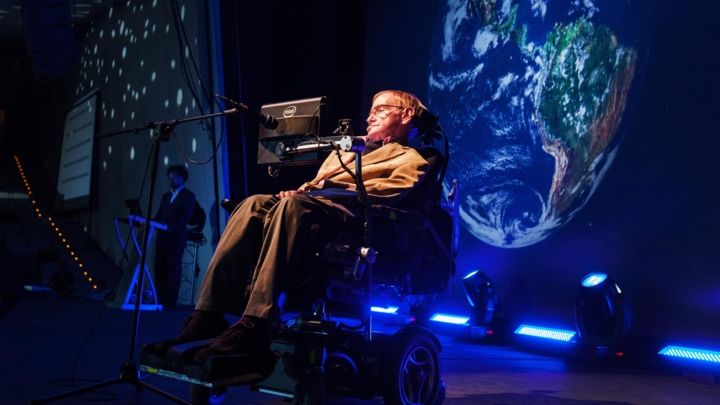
(389, 172)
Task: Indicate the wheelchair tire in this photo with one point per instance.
(201, 395)
(411, 372)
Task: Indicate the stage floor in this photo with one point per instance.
(41, 336)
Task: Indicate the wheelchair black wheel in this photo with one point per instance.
(202, 395)
(412, 372)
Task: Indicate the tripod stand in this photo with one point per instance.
(129, 372)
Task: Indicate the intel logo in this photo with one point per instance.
(289, 111)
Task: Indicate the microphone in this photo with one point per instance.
(268, 121)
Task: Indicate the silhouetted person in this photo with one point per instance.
(176, 208)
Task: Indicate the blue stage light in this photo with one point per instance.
(454, 319)
(545, 333)
(482, 297)
(472, 273)
(691, 353)
(603, 315)
(593, 279)
(385, 310)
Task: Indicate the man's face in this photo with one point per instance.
(387, 121)
(176, 180)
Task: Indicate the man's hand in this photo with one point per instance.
(284, 194)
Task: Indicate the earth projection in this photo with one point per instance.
(531, 94)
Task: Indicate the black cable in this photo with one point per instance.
(202, 161)
(106, 300)
(183, 42)
(135, 212)
(184, 68)
(73, 382)
(342, 164)
(181, 26)
(104, 396)
(309, 132)
(186, 73)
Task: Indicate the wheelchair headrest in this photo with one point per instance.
(436, 160)
(426, 195)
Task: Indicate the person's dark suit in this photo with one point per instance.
(170, 244)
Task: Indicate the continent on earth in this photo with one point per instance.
(532, 94)
(588, 77)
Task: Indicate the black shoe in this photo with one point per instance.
(248, 335)
(198, 326)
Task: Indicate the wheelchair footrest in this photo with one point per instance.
(218, 371)
(175, 358)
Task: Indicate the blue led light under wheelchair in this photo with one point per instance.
(691, 353)
(545, 333)
(593, 279)
(454, 319)
(385, 310)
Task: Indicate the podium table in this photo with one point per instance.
(128, 300)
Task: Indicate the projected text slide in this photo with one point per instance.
(75, 170)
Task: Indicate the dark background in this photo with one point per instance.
(652, 224)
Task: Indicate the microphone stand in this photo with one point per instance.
(129, 372)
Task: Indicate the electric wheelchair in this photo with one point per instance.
(330, 347)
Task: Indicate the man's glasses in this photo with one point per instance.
(381, 111)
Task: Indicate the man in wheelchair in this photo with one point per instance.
(265, 234)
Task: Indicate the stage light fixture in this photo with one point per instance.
(603, 316)
(593, 279)
(482, 297)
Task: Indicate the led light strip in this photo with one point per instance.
(53, 225)
(545, 333)
(385, 310)
(691, 353)
(448, 318)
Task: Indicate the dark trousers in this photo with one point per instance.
(259, 249)
(168, 270)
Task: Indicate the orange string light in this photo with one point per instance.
(50, 220)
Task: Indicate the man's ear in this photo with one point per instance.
(407, 115)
